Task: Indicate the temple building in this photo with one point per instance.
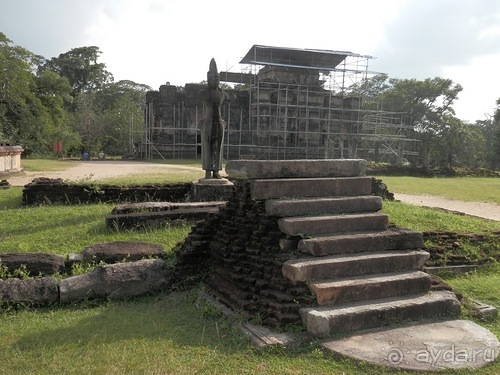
(285, 103)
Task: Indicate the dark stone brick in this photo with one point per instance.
(35, 263)
(111, 252)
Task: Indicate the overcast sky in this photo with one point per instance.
(155, 41)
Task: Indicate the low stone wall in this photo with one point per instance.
(113, 281)
(127, 274)
(10, 158)
(56, 191)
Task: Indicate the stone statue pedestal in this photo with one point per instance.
(212, 189)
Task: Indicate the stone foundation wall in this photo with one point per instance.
(56, 191)
(243, 261)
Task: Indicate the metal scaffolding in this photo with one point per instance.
(286, 104)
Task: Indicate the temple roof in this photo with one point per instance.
(295, 57)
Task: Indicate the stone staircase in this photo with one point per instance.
(362, 273)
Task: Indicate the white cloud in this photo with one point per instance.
(154, 41)
(481, 85)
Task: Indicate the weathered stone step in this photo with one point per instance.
(322, 206)
(390, 239)
(144, 207)
(329, 224)
(327, 267)
(329, 320)
(253, 169)
(310, 187)
(368, 287)
(155, 219)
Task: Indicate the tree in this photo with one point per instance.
(81, 68)
(85, 122)
(427, 105)
(495, 138)
(110, 119)
(121, 107)
(22, 114)
(54, 92)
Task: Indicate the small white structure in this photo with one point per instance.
(10, 158)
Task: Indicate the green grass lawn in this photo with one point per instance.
(471, 189)
(45, 165)
(176, 333)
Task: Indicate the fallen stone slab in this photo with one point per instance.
(159, 218)
(254, 169)
(119, 251)
(116, 281)
(35, 263)
(41, 291)
(260, 336)
(483, 311)
(452, 344)
(161, 206)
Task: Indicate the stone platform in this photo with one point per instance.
(211, 189)
(454, 344)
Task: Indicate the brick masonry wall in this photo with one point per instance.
(56, 191)
(239, 257)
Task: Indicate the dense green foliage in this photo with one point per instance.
(428, 105)
(71, 99)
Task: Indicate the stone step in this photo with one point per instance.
(310, 187)
(329, 224)
(333, 266)
(359, 288)
(254, 169)
(328, 320)
(322, 206)
(390, 239)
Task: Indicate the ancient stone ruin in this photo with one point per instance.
(303, 241)
(299, 242)
(286, 103)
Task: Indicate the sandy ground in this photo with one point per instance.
(96, 170)
(480, 209)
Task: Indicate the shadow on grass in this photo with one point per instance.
(179, 318)
(48, 225)
(10, 198)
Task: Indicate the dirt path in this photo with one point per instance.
(485, 210)
(102, 169)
